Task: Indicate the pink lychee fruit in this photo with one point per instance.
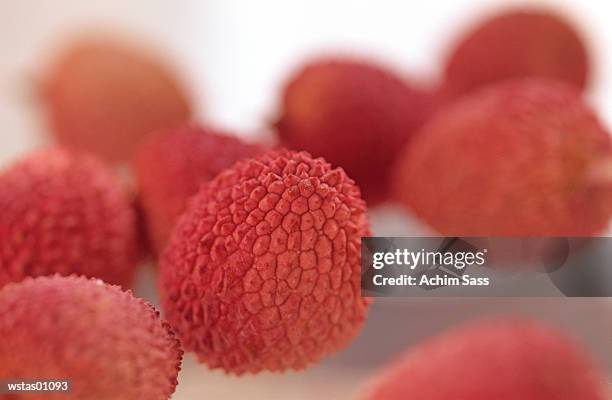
(356, 115)
(106, 343)
(66, 212)
(104, 96)
(170, 167)
(519, 158)
(517, 44)
(263, 269)
(503, 359)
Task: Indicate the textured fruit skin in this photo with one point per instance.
(504, 359)
(263, 270)
(108, 343)
(517, 44)
(170, 167)
(512, 159)
(355, 115)
(65, 212)
(104, 97)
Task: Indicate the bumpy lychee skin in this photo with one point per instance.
(171, 166)
(513, 159)
(104, 96)
(108, 343)
(517, 44)
(355, 115)
(65, 212)
(508, 359)
(262, 271)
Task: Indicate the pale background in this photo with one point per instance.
(234, 54)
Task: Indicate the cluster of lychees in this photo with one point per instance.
(259, 248)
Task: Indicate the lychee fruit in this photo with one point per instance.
(263, 269)
(170, 167)
(517, 44)
(354, 114)
(65, 212)
(519, 158)
(105, 96)
(107, 343)
(504, 359)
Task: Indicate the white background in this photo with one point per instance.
(234, 55)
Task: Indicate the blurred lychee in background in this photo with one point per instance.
(452, 117)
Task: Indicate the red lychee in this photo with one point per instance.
(65, 212)
(107, 343)
(263, 270)
(354, 114)
(171, 166)
(517, 44)
(504, 359)
(519, 158)
(104, 96)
